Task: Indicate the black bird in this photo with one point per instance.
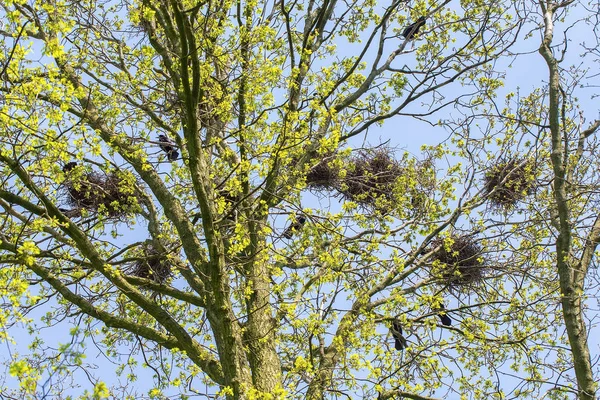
(411, 30)
(444, 318)
(196, 217)
(399, 340)
(295, 226)
(168, 148)
(69, 166)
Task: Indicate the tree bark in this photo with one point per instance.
(571, 282)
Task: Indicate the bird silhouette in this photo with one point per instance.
(411, 30)
(196, 217)
(168, 147)
(69, 166)
(295, 226)
(399, 340)
(444, 318)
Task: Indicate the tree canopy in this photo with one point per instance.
(203, 190)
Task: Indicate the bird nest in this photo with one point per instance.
(325, 175)
(508, 182)
(154, 265)
(98, 192)
(461, 263)
(372, 175)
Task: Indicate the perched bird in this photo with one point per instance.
(196, 217)
(295, 226)
(168, 147)
(69, 166)
(399, 340)
(444, 318)
(411, 30)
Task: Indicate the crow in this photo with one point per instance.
(411, 30)
(295, 226)
(168, 147)
(196, 217)
(69, 166)
(399, 340)
(444, 318)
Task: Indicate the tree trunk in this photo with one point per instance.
(571, 283)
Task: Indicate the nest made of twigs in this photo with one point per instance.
(462, 263)
(324, 175)
(508, 182)
(95, 191)
(372, 175)
(153, 265)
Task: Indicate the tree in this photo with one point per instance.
(563, 155)
(569, 145)
(147, 255)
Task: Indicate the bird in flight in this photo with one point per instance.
(411, 30)
(168, 147)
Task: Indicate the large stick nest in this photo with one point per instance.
(372, 175)
(153, 265)
(324, 175)
(96, 191)
(462, 263)
(508, 182)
